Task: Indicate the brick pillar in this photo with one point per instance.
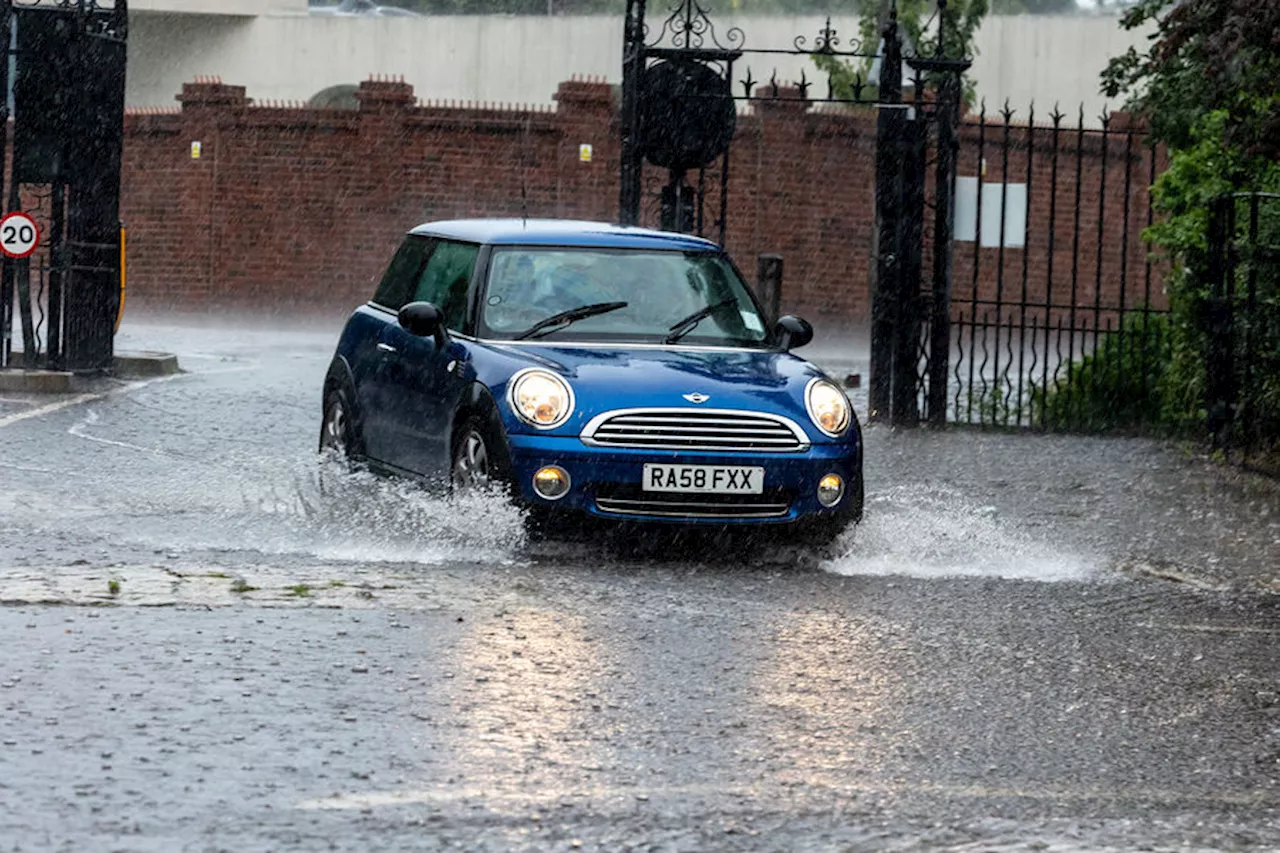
(211, 93)
(379, 94)
(386, 145)
(586, 116)
(208, 105)
(782, 121)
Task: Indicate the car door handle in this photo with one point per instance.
(386, 347)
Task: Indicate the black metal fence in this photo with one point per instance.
(68, 69)
(1243, 322)
(682, 86)
(1058, 316)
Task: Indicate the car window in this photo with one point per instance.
(398, 281)
(526, 285)
(445, 279)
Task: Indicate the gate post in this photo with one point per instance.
(943, 234)
(633, 59)
(890, 126)
(769, 284)
(1220, 391)
(6, 269)
(909, 269)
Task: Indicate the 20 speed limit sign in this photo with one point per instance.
(19, 235)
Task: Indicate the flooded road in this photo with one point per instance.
(214, 642)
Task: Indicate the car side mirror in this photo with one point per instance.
(792, 332)
(422, 319)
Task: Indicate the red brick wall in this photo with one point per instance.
(1097, 259)
(298, 209)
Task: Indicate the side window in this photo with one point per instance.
(398, 281)
(445, 280)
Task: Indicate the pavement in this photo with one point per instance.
(213, 641)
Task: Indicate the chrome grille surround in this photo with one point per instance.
(738, 430)
(666, 508)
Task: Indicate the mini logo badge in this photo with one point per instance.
(695, 397)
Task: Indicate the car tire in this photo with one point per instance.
(338, 431)
(476, 459)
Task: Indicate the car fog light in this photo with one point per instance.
(830, 490)
(551, 482)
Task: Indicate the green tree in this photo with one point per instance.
(1207, 87)
(960, 23)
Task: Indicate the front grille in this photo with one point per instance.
(695, 429)
(632, 500)
(691, 509)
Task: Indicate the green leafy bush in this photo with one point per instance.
(1121, 385)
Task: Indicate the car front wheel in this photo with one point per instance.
(337, 427)
(472, 464)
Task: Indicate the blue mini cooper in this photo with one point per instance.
(592, 369)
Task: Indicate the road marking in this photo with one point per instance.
(1209, 629)
(524, 799)
(49, 409)
(80, 399)
(90, 419)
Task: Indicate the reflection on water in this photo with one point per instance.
(831, 690)
(527, 686)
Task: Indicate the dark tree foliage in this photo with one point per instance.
(1050, 7)
(1207, 55)
(1209, 85)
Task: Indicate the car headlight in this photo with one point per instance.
(540, 398)
(828, 407)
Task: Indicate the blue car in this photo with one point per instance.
(592, 370)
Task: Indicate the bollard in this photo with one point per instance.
(769, 285)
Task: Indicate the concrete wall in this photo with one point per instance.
(522, 59)
(220, 7)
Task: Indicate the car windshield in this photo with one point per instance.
(662, 295)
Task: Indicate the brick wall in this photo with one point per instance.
(298, 209)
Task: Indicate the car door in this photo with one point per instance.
(425, 371)
(373, 367)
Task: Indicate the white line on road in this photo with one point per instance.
(91, 418)
(49, 409)
(80, 399)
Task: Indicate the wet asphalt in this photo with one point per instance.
(213, 642)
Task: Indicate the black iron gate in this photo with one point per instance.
(1243, 321)
(915, 181)
(682, 85)
(67, 96)
(1059, 319)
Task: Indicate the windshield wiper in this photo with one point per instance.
(685, 326)
(565, 318)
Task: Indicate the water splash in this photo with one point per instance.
(306, 507)
(933, 532)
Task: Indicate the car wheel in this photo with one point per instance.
(476, 463)
(338, 433)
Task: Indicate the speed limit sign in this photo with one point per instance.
(19, 235)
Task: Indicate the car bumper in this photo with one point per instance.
(608, 482)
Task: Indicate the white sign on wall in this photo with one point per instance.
(1009, 199)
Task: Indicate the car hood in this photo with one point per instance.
(620, 377)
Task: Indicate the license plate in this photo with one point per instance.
(713, 479)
